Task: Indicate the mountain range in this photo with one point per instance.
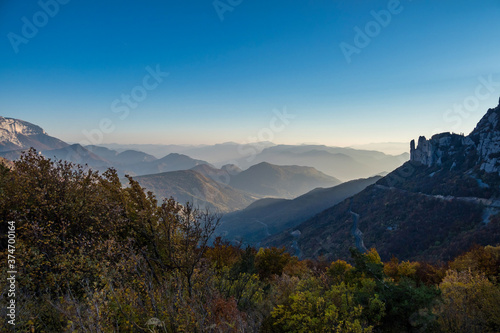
(290, 181)
(270, 216)
(257, 170)
(125, 157)
(209, 187)
(342, 163)
(432, 208)
(218, 154)
(194, 187)
(180, 176)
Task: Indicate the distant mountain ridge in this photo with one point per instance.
(78, 154)
(121, 158)
(342, 163)
(290, 181)
(218, 175)
(228, 152)
(217, 154)
(137, 163)
(173, 162)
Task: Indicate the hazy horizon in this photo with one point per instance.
(389, 148)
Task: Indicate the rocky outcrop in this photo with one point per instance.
(486, 135)
(482, 144)
(17, 134)
(10, 129)
(439, 148)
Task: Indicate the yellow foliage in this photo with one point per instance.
(471, 303)
(373, 256)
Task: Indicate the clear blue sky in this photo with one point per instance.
(227, 76)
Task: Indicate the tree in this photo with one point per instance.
(340, 271)
(471, 303)
(396, 270)
(480, 260)
(403, 299)
(223, 254)
(180, 238)
(314, 307)
(271, 261)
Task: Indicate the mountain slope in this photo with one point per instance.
(281, 181)
(434, 207)
(192, 186)
(17, 134)
(218, 175)
(171, 162)
(78, 154)
(224, 153)
(271, 216)
(122, 159)
(72, 153)
(103, 152)
(231, 169)
(132, 156)
(135, 162)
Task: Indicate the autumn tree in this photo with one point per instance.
(480, 260)
(271, 261)
(314, 308)
(403, 299)
(471, 303)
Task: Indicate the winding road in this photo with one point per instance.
(358, 235)
(266, 228)
(491, 206)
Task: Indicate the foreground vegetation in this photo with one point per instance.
(94, 256)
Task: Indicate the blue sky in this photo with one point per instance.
(422, 71)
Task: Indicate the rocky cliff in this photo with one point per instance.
(486, 137)
(481, 146)
(17, 134)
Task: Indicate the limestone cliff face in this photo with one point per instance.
(16, 135)
(438, 148)
(482, 145)
(486, 136)
(11, 128)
